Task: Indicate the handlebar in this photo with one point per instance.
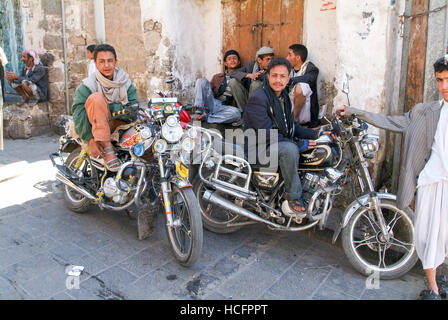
(133, 109)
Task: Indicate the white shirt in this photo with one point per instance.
(436, 169)
(92, 67)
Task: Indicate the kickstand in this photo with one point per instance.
(129, 212)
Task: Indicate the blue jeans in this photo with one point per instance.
(217, 112)
(288, 161)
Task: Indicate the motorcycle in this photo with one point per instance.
(154, 152)
(377, 237)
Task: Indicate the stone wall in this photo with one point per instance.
(182, 41)
(43, 32)
(125, 33)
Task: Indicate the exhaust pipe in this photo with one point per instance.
(219, 201)
(65, 180)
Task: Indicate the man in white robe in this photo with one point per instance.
(425, 170)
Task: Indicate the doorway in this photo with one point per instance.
(251, 24)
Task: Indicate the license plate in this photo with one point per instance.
(182, 170)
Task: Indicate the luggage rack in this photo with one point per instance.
(239, 164)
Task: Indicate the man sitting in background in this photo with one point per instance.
(217, 96)
(252, 74)
(90, 50)
(32, 85)
(303, 86)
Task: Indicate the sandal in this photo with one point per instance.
(442, 283)
(429, 295)
(294, 207)
(113, 164)
(238, 123)
(200, 116)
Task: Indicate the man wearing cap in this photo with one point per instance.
(32, 85)
(252, 74)
(303, 86)
(217, 97)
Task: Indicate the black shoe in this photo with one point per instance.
(442, 283)
(429, 295)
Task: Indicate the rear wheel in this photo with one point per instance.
(186, 235)
(73, 200)
(215, 218)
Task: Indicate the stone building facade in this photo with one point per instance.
(179, 40)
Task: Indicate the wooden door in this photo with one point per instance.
(251, 24)
(418, 37)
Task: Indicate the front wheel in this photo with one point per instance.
(186, 235)
(370, 252)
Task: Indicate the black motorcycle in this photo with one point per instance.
(377, 237)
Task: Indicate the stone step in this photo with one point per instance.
(26, 120)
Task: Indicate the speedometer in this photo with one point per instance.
(172, 134)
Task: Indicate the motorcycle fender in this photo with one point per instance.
(67, 145)
(181, 183)
(353, 207)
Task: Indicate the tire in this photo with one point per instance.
(72, 199)
(214, 218)
(185, 207)
(364, 249)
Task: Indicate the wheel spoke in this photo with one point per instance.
(381, 256)
(394, 220)
(401, 244)
(372, 224)
(363, 242)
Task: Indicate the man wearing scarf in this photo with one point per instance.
(104, 92)
(303, 86)
(269, 108)
(32, 84)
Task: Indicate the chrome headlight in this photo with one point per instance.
(160, 146)
(193, 132)
(369, 145)
(139, 149)
(172, 133)
(187, 144)
(171, 121)
(145, 133)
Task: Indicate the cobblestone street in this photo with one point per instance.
(40, 238)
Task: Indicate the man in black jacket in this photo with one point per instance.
(32, 84)
(270, 108)
(303, 80)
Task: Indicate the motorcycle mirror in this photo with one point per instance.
(345, 86)
(322, 111)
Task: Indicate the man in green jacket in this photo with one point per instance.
(107, 90)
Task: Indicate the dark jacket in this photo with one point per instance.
(261, 113)
(216, 83)
(38, 76)
(310, 77)
(241, 73)
(2, 71)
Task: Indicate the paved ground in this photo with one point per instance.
(40, 238)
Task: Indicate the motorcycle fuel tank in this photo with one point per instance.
(319, 157)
